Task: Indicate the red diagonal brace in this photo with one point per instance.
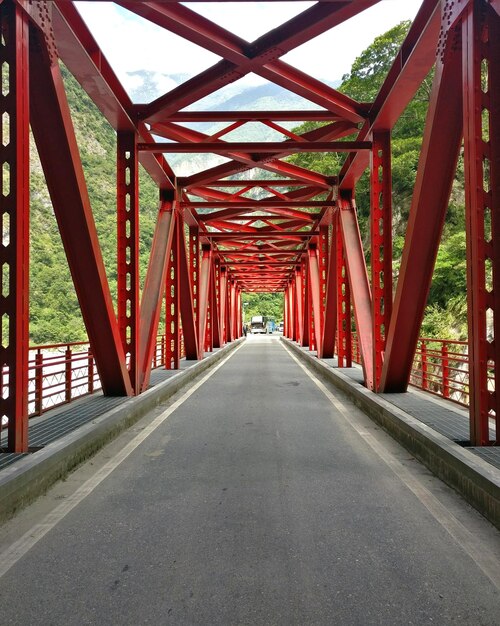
(204, 294)
(14, 251)
(358, 281)
(153, 289)
(315, 294)
(330, 320)
(186, 296)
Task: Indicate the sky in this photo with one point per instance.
(131, 43)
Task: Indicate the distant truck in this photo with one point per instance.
(258, 324)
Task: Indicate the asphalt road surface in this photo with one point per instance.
(257, 498)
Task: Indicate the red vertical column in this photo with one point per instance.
(306, 301)
(223, 304)
(14, 251)
(381, 246)
(330, 315)
(315, 297)
(215, 304)
(481, 94)
(299, 305)
(127, 179)
(288, 330)
(323, 249)
(172, 329)
(194, 260)
(344, 341)
(232, 315)
(204, 336)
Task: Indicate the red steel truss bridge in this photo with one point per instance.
(293, 230)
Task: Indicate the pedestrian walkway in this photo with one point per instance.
(260, 497)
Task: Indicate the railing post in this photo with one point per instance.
(445, 370)
(423, 351)
(67, 373)
(90, 372)
(38, 383)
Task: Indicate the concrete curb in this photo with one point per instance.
(475, 480)
(32, 475)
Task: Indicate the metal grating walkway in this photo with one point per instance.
(443, 416)
(59, 422)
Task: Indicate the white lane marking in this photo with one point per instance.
(10, 556)
(469, 542)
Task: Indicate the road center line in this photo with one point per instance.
(468, 541)
(10, 556)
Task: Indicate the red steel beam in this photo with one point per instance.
(271, 147)
(172, 288)
(359, 286)
(306, 115)
(14, 251)
(58, 151)
(381, 246)
(256, 182)
(204, 296)
(215, 304)
(438, 159)
(330, 318)
(154, 287)
(263, 204)
(189, 330)
(240, 58)
(315, 292)
(127, 185)
(481, 119)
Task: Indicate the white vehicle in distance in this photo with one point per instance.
(258, 324)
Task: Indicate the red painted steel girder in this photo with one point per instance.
(306, 115)
(259, 205)
(257, 148)
(240, 58)
(179, 133)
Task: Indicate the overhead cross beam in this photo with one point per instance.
(240, 58)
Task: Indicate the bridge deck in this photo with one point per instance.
(259, 500)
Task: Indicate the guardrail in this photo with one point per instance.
(60, 373)
(440, 367)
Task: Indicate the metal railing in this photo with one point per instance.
(440, 367)
(60, 373)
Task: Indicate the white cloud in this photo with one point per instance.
(131, 43)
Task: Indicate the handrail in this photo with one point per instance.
(440, 367)
(60, 373)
